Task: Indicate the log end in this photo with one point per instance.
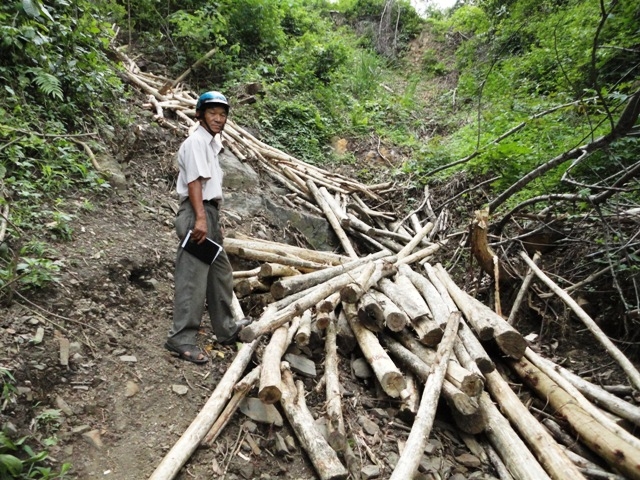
(512, 344)
(247, 334)
(270, 394)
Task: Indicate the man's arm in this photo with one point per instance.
(199, 232)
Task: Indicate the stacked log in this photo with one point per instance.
(424, 337)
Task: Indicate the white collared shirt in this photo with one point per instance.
(198, 158)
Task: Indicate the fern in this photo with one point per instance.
(47, 83)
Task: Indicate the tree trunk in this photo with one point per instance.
(617, 453)
(322, 456)
(409, 460)
(386, 372)
(394, 318)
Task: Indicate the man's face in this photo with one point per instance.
(215, 118)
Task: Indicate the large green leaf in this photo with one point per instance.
(10, 464)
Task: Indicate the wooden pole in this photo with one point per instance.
(191, 438)
(322, 456)
(593, 327)
(409, 460)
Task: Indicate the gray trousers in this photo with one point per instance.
(195, 282)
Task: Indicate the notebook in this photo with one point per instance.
(206, 251)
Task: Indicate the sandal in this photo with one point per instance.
(190, 353)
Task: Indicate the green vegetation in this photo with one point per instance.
(557, 73)
(18, 460)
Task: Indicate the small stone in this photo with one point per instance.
(392, 459)
(246, 470)
(469, 460)
(62, 405)
(291, 443)
(33, 321)
(458, 476)
(369, 426)
(302, 365)
(38, 336)
(361, 368)
(80, 429)
(260, 412)
(131, 389)
(75, 348)
(128, 358)
(119, 351)
(370, 471)
(26, 391)
(280, 445)
(10, 430)
(93, 437)
(249, 426)
(180, 389)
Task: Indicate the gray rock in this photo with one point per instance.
(370, 471)
(280, 445)
(302, 365)
(249, 426)
(469, 460)
(80, 429)
(63, 406)
(361, 368)
(9, 429)
(131, 389)
(180, 389)
(259, 412)
(369, 426)
(93, 438)
(128, 358)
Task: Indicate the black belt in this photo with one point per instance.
(213, 201)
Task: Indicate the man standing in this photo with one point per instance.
(200, 191)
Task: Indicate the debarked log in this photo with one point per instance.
(464, 409)
(550, 455)
(617, 453)
(407, 297)
(409, 460)
(394, 318)
(468, 382)
(386, 372)
(486, 323)
(322, 456)
(191, 438)
(286, 286)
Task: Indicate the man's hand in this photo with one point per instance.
(199, 232)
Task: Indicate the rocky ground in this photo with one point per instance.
(91, 371)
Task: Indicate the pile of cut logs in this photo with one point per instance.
(423, 336)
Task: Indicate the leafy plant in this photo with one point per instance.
(19, 461)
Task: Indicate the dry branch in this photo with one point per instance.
(593, 327)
